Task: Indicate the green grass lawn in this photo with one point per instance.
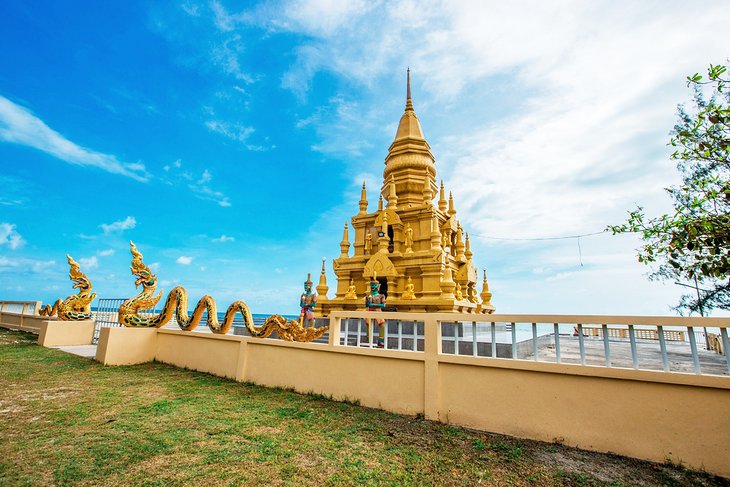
(69, 420)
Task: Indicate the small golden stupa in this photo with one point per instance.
(416, 249)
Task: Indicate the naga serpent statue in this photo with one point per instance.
(78, 306)
(177, 304)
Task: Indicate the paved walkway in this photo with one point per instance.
(87, 351)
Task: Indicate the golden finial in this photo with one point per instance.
(380, 203)
(344, 244)
(485, 294)
(392, 196)
(468, 253)
(452, 211)
(435, 234)
(442, 198)
(409, 103)
(363, 200)
(322, 286)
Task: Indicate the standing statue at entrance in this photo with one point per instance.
(409, 239)
(376, 302)
(307, 301)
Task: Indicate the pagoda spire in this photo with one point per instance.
(344, 244)
(452, 211)
(485, 294)
(392, 195)
(467, 252)
(322, 288)
(409, 158)
(442, 198)
(363, 200)
(409, 103)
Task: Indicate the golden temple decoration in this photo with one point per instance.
(345, 243)
(363, 200)
(322, 286)
(351, 294)
(392, 195)
(78, 306)
(486, 295)
(176, 305)
(368, 243)
(451, 211)
(413, 243)
(442, 199)
(408, 293)
(459, 294)
(409, 239)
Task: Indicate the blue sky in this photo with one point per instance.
(229, 140)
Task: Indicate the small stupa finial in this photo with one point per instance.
(392, 195)
(322, 288)
(363, 200)
(409, 103)
(344, 245)
(442, 198)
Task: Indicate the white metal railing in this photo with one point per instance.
(668, 344)
(20, 307)
(397, 334)
(660, 343)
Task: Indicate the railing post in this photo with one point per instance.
(334, 337)
(431, 351)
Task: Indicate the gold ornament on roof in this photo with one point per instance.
(177, 304)
(78, 306)
(409, 293)
(409, 239)
(351, 294)
(459, 293)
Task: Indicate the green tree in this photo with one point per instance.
(692, 244)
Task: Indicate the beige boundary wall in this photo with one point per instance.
(656, 416)
(51, 332)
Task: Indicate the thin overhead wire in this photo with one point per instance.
(541, 238)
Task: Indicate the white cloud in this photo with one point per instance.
(32, 265)
(202, 189)
(119, 226)
(105, 253)
(223, 239)
(200, 186)
(10, 237)
(18, 125)
(184, 260)
(232, 130)
(89, 263)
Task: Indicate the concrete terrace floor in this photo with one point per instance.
(679, 355)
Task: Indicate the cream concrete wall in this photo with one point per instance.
(126, 346)
(18, 321)
(55, 333)
(644, 414)
(199, 351)
(386, 381)
(635, 415)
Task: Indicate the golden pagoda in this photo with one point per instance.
(416, 249)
